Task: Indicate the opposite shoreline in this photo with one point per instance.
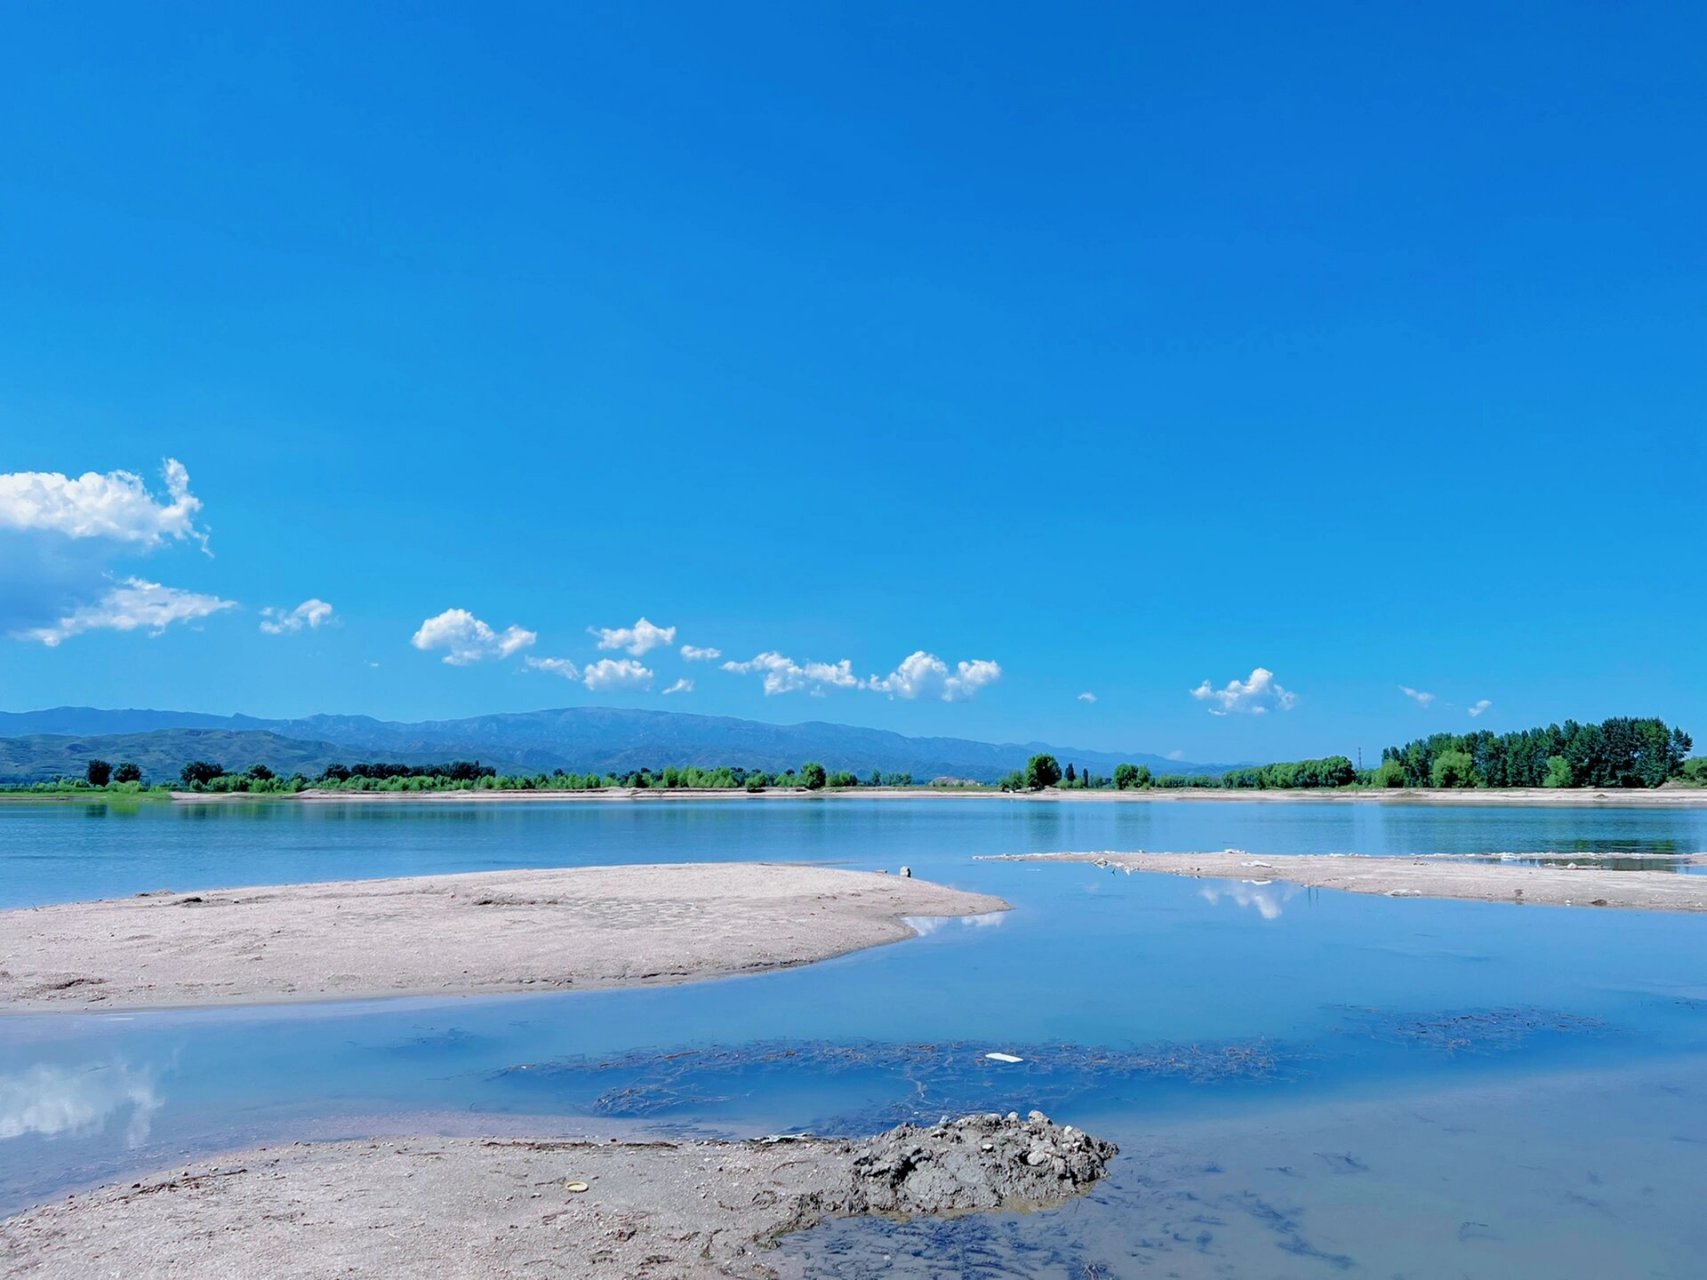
(1522, 797)
(490, 932)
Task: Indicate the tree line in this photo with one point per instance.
(1621, 752)
(1617, 753)
(471, 775)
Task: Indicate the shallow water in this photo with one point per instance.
(1220, 1031)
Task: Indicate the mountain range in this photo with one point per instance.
(36, 745)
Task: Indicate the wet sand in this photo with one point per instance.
(458, 1208)
(483, 933)
(1481, 880)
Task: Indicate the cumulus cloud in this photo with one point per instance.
(60, 538)
(112, 505)
(785, 675)
(920, 675)
(616, 673)
(1087, 696)
(694, 653)
(637, 640)
(1478, 707)
(1254, 697)
(924, 675)
(134, 604)
(466, 639)
(1417, 696)
(312, 614)
(556, 666)
(684, 685)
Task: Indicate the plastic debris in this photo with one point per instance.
(1003, 1057)
(576, 1187)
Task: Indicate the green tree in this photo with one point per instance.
(1129, 777)
(99, 773)
(812, 775)
(1072, 775)
(259, 773)
(1390, 774)
(842, 778)
(1041, 771)
(198, 773)
(876, 779)
(1452, 768)
(127, 772)
(1558, 772)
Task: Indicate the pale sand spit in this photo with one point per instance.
(464, 1208)
(454, 935)
(1436, 876)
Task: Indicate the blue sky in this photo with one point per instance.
(1124, 350)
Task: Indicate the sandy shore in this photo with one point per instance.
(1481, 880)
(1522, 797)
(459, 1208)
(454, 935)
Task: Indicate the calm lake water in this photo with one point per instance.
(1303, 1083)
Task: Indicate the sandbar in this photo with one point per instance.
(480, 933)
(458, 1208)
(1493, 879)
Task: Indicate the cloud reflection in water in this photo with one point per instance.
(1266, 896)
(930, 924)
(58, 1101)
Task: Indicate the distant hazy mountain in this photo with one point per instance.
(38, 744)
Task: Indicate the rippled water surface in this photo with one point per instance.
(1303, 1083)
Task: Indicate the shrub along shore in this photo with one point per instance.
(1617, 754)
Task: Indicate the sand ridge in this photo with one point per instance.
(1433, 876)
(477, 933)
(468, 1208)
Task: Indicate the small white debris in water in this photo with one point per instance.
(1003, 1057)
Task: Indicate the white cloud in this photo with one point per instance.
(1176, 755)
(639, 639)
(785, 675)
(115, 505)
(466, 639)
(1247, 697)
(684, 685)
(924, 675)
(694, 653)
(134, 604)
(616, 673)
(1087, 696)
(60, 537)
(920, 675)
(556, 666)
(1417, 696)
(1479, 707)
(54, 1101)
(310, 613)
